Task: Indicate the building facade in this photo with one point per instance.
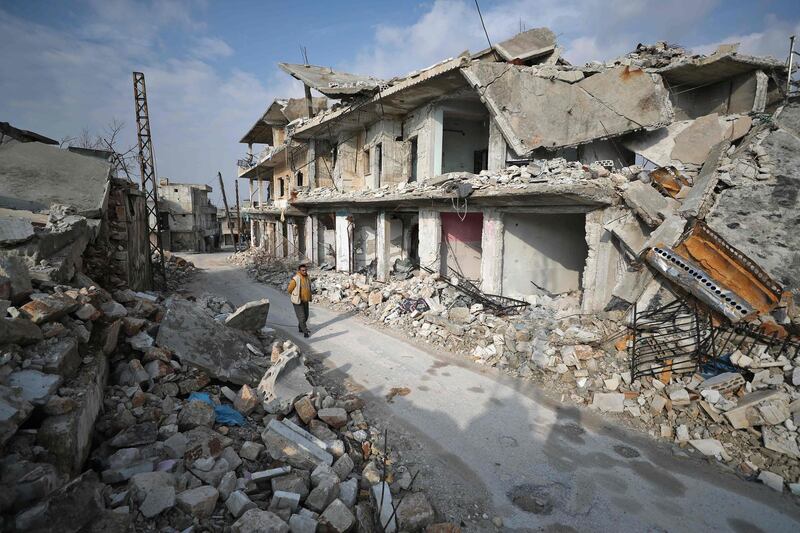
(503, 167)
(188, 217)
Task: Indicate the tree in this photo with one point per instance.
(123, 158)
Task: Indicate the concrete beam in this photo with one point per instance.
(430, 238)
(342, 242)
(492, 252)
(382, 251)
(436, 137)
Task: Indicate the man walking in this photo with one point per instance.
(300, 292)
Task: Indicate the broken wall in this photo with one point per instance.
(547, 251)
(364, 243)
(349, 170)
(733, 95)
(422, 125)
(461, 139)
(535, 111)
(394, 153)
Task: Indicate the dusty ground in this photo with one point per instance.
(487, 444)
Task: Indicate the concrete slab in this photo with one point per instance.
(531, 110)
(528, 44)
(33, 176)
(692, 145)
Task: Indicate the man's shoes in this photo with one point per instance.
(299, 329)
(306, 334)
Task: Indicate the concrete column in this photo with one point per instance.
(342, 243)
(250, 191)
(603, 262)
(291, 238)
(312, 239)
(269, 232)
(262, 231)
(497, 147)
(279, 239)
(311, 166)
(253, 237)
(430, 238)
(492, 252)
(260, 193)
(436, 137)
(382, 250)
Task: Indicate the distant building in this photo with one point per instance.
(188, 216)
(228, 236)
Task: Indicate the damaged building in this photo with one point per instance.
(188, 219)
(624, 231)
(509, 167)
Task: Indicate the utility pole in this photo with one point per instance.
(227, 211)
(791, 64)
(238, 214)
(147, 165)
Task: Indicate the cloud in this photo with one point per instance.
(67, 79)
(772, 41)
(587, 29)
(211, 48)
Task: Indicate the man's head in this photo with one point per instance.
(303, 269)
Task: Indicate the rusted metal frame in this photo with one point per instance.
(148, 172)
(492, 301)
(699, 283)
(751, 265)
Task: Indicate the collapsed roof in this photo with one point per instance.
(607, 104)
(281, 112)
(34, 175)
(332, 83)
(527, 45)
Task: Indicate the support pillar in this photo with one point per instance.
(311, 166)
(269, 231)
(430, 239)
(291, 238)
(253, 236)
(492, 252)
(312, 239)
(279, 239)
(436, 139)
(261, 233)
(497, 147)
(382, 251)
(342, 243)
(603, 261)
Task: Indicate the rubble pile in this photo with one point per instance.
(552, 171)
(180, 271)
(124, 410)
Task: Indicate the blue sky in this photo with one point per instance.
(211, 66)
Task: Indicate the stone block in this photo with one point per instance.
(302, 524)
(246, 401)
(196, 413)
(250, 316)
(646, 202)
(285, 444)
(198, 502)
(250, 450)
(256, 521)
(36, 386)
(335, 417)
(305, 409)
(157, 501)
(724, 383)
(611, 402)
(382, 502)
(337, 517)
(322, 495)
(238, 503)
(284, 500)
(19, 331)
(767, 407)
(414, 513)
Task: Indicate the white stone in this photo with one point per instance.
(772, 480)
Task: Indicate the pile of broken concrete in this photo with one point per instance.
(117, 414)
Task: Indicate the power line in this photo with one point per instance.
(482, 24)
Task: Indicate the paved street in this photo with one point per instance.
(485, 439)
